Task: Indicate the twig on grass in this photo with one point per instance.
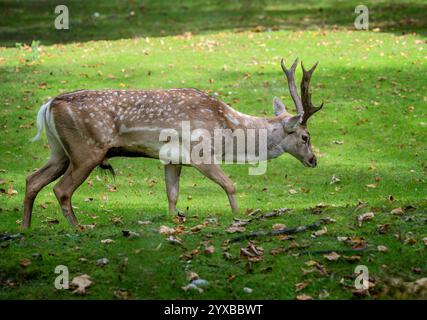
(275, 213)
(326, 251)
(256, 234)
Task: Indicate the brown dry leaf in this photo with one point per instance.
(233, 229)
(363, 217)
(179, 218)
(166, 230)
(209, 249)
(352, 258)
(11, 191)
(252, 252)
(383, 228)
(237, 226)
(80, 283)
(301, 285)
(311, 263)
(122, 294)
(360, 205)
(304, 297)
(319, 208)
(227, 255)
(333, 256)
(397, 211)
(174, 240)
(25, 262)
(320, 232)
(357, 242)
(192, 276)
(197, 228)
(278, 226)
(382, 248)
(276, 251)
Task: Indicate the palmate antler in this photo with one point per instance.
(303, 106)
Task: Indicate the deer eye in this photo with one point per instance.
(305, 138)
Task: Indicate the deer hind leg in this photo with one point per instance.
(53, 169)
(76, 174)
(172, 175)
(214, 172)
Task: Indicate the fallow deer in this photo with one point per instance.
(85, 128)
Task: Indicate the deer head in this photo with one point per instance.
(296, 140)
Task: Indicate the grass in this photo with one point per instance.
(371, 132)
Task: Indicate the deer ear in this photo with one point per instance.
(278, 106)
(292, 123)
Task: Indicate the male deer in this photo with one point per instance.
(85, 128)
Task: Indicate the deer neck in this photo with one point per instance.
(273, 126)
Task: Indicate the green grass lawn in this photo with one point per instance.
(371, 134)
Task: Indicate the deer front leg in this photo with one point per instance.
(214, 172)
(172, 174)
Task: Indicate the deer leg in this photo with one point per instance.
(53, 169)
(75, 175)
(214, 172)
(172, 174)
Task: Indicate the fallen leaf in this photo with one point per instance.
(352, 258)
(25, 262)
(234, 229)
(107, 241)
(197, 228)
(425, 241)
(166, 230)
(371, 186)
(130, 234)
(304, 297)
(334, 179)
(366, 216)
(192, 276)
(209, 249)
(301, 285)
(397, 211)
(252, 252)
(383, 228)
(382, 248)
(333, 256)
(174, 240)
(278, 226)
(80, 283)
(102, 262)
(248, 290)
(277, 251)
(320, 232)
(122, 294)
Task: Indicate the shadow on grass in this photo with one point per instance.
(23, 22)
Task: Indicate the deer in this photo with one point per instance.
(86, 128)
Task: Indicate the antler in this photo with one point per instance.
(290, 75)
(309, 108)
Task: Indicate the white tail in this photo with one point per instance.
(41, 116)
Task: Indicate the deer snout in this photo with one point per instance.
(312, 162)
